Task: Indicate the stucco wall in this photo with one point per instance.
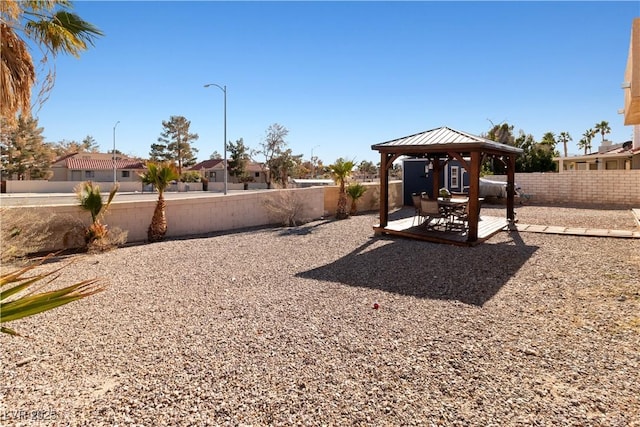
(368, 202)
(615, 188)
(191, 216)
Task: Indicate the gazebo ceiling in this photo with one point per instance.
(442, 140)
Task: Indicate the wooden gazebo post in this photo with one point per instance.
(474, 195)
(384, 189)
(511, 187)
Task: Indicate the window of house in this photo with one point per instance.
(125, 174)
(454, 176)
(257, 174)
(89, 174)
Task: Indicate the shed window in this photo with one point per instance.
(454, 176)
(125, 174)
(89, 174)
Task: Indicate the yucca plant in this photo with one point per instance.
(355, 191)
(91, 200)
(19, 296)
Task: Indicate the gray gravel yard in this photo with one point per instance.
(277, 326)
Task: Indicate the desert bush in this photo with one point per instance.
(25, 231)
(190, 176)
(285, 208)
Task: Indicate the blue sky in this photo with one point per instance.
(342, 76)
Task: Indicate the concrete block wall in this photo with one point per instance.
(614, 188)
(370, 201)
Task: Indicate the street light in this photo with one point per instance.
(113, 154)
(224, 90)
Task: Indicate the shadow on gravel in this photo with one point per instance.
(428, 270)
(304, 229)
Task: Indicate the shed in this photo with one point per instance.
(439, 146)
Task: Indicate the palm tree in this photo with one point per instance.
(602, 128)
(564, 137)
(585, 142)
(91, 200)
(341, 170)
(160, 176)
(355, 192)
(50, 26)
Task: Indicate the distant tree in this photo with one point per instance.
(585, 142)
(549, 138)
(23, 151)
(238, 159)
(564, 138)
(536, 157)
(89, 144)
(48, 26)
(502, 133)
(272, 146)
(602, 128)
(367, 168)
(341, 170)
(64, 147)
(174, 143)
(215, 155)
(284, 165)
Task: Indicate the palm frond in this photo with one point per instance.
(63, 32)
(19, 298)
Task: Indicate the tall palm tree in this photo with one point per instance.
(160, 176)
(340, 171)
(602, 128)
(48, 25)
(585, 142)
(564, 137)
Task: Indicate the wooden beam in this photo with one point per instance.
(459, 158)
(384, 189)
(511, 170)
(474, 195)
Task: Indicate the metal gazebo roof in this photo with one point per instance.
(443, 139)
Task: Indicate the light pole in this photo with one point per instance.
(313, 163)
(224, 90)
(113, 154)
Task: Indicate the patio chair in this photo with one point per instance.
(430, 211)
(416, 198)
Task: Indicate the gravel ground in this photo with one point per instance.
(277, 326)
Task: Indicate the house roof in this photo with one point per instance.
(96, 161)
(94, 164)
(441, 139)
(207, 164)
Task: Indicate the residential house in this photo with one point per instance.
(98, 167)
(213, 170)
(625, 156)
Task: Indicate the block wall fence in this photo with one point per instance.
(611, 188)
(201, 215)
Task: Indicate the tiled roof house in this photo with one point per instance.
(97, 167)
(213, 170)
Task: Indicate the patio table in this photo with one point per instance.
(451, 208)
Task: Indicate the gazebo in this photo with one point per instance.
(439, 146)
